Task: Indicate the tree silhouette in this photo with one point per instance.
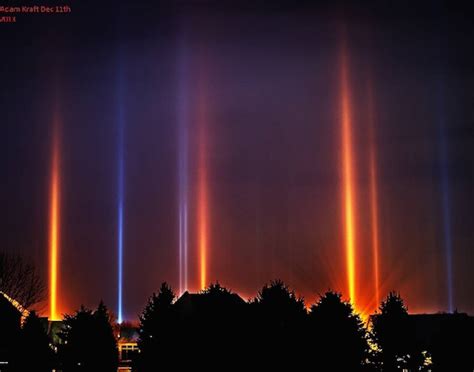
(20, 280)
(221, 315)
(341, 342)
(106, 338)
(394, 335)
(218, 301)
(157, 330)
(203, 326)
(88, 341)
(279, 321)
(33, 351)
(279, 305)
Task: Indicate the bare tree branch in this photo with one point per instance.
(20, 280)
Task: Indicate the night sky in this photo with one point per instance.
(148, 103)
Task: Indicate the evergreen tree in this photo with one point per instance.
(279, 318)
(340, 336)
(394, 336)
(157, 329)
(34, 350)
(88, 341)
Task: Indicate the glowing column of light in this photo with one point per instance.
(54, 221)
(120, 189)
(348, 189)
(183, 119)
(120, 261)
(443, 157)
(445, 194)
(374, 195)
(203, 224)
(203, 213)
(183, 242)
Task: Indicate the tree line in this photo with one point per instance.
(217, 329)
